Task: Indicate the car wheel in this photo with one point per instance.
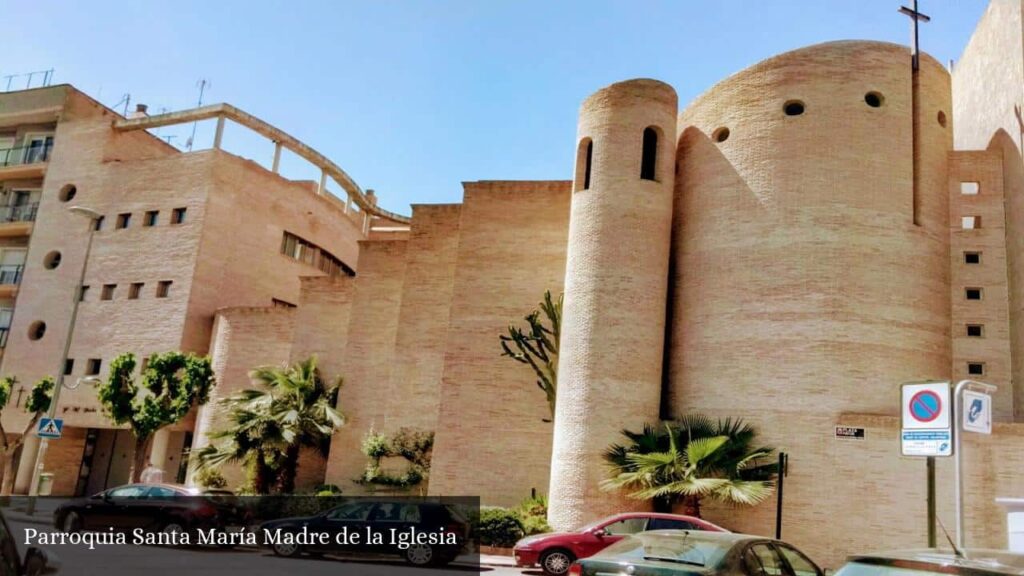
(286, 549)
(419, 555)
(556, 562)
(72, 522)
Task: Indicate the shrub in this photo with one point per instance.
(535, 525)
(327, 490)
(499, 527)
(210, 478)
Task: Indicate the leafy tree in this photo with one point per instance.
(692, 459)
(37, 403)
(537, 345)
(171, 384)
(293, 407)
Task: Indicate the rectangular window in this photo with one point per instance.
(134, 290)
(151, 218)
(303, 250)
(975, 330)
(124, 220)
(81, 295)
(69, 366)
(278, 303)
(972, 257)
(108, 292)
(99, 224)
(976, 368)
(972, 293)
(163, 289)
(969, 188)
(92, 368)
(970, 222)
(178, 216)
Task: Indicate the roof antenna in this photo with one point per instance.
(956, 551)
(201, 84)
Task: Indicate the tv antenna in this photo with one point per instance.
(202, 84)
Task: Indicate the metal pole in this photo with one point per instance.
(33, 489)
(932, 542)
(783, 458)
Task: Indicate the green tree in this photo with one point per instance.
(170, 385)
(691, 459)
(37, 403)
(537, 345)
(293, 407)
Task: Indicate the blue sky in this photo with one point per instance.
(412, 97)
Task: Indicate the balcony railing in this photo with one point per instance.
(31, 154)
(19, 213)
(11, 273)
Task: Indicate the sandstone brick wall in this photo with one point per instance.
(512, 240)
(368, 357)
(322, 322)
(243, 339)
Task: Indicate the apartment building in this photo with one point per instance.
(178, 236)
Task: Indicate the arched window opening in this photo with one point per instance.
(649, 159)
(584, 161)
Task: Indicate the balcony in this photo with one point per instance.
(10, 278)
(16, 220)
(27, 161)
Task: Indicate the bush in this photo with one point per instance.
(210, 478)
(327, 490)
(535, 525)
(499, 527)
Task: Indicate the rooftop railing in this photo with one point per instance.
(31, 154)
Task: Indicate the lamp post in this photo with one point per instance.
(93, 216)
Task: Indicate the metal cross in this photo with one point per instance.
(915, 17)
(17, 403)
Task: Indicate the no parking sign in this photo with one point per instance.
(927, 424)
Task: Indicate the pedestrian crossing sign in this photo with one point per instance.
(49, 428)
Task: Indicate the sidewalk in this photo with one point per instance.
(499, 561)
(43, 515)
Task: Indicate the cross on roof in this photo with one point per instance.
(915, 17)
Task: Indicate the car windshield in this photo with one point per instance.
(681, 547)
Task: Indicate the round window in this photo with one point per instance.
(67, 193)
(52, 260)
(36, 330)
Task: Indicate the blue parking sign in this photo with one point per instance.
(49, 428)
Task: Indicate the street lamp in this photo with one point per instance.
(93, 216)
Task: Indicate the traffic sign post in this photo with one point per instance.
(927, 422)
(50, 428)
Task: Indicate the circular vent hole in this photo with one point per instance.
(36, 330)
(52, 260)
(67, 193)
(720, 135)
(793, 108)
(942, 118)
(874, 99)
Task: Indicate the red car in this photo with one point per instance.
(556, 552)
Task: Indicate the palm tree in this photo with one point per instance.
(692, 459)
(292, 408)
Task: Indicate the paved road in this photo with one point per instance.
(117, 560)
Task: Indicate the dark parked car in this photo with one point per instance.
(35, 563)
(556, 552)
(381, 517)
(693, 553)
(152, 507)
(932, 561)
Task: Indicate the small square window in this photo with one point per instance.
(69, 366)
(81, 294)
(151, 218)
(972, 257)
(969, 188)
(93, 366)
(163, 289)
(976, 368)
(134, 290)
(108, 292)
(972, 293)
(178, 216)
(970, 222)
(124, 220)
(975, 330)
(98, 225)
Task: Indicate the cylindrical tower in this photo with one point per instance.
(613, 325)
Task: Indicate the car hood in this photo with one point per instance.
(541, 538)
